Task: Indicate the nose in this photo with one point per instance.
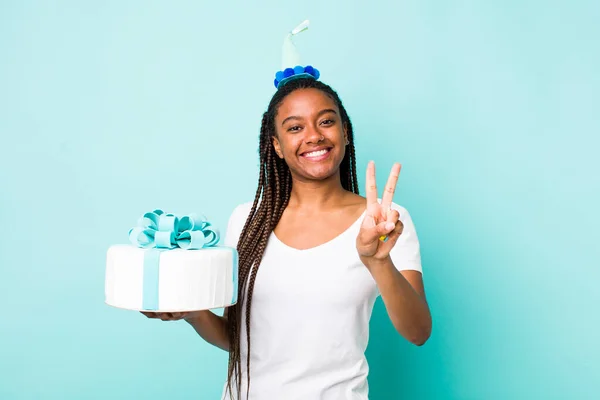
(313, 134)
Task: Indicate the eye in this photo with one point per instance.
(294, 128)
(327, 122)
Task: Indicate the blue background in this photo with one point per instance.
(110, 109)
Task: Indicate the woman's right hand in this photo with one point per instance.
(168, 316)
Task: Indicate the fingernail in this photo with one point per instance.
(389, 226)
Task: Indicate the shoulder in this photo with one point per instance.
(398, 207)
(406, 254)
(241, 212)
(405, 217)
(235, 225)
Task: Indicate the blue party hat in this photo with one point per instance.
(291, 67)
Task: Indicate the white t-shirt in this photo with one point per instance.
(309, 325)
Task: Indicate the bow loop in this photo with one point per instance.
(192, 222)
(167, 231)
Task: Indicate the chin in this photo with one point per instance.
(320, 169)
(320, 175)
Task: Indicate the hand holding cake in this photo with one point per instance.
(166, 316)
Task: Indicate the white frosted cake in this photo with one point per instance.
(173, 264)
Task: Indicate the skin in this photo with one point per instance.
(320, 209)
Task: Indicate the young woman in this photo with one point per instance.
(313, 257)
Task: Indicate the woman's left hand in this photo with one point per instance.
(381, 226)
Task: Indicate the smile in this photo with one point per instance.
(317, 155)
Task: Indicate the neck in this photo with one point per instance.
(317, 195)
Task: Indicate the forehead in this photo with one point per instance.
(304, 102)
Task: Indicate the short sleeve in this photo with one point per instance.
(236, 223)
(406, 254)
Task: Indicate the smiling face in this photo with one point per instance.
(310, 134)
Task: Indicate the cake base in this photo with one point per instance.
(177, 280)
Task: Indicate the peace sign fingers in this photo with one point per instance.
(371, 185)
(380, 220)
(390, 188)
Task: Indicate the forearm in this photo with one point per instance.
(407, 309)
(211, 328)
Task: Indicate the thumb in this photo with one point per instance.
(383, 228)
(374, 233)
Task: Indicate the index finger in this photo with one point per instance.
(390, 188)
(371, 184)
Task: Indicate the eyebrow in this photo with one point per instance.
(325, 111)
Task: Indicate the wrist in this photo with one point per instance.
(194, 317)
(376, 263)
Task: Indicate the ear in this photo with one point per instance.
(277, 147)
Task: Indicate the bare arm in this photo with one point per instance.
(404, 299)
(402, 292)
(210, 327)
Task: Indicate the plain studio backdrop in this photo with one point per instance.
(111, 109)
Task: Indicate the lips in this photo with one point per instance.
(316, 154)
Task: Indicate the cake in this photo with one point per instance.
(171, 264)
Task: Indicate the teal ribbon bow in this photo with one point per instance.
(159, 230)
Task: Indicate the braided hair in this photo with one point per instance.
(271, 199)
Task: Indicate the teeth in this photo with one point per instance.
(316, 153)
